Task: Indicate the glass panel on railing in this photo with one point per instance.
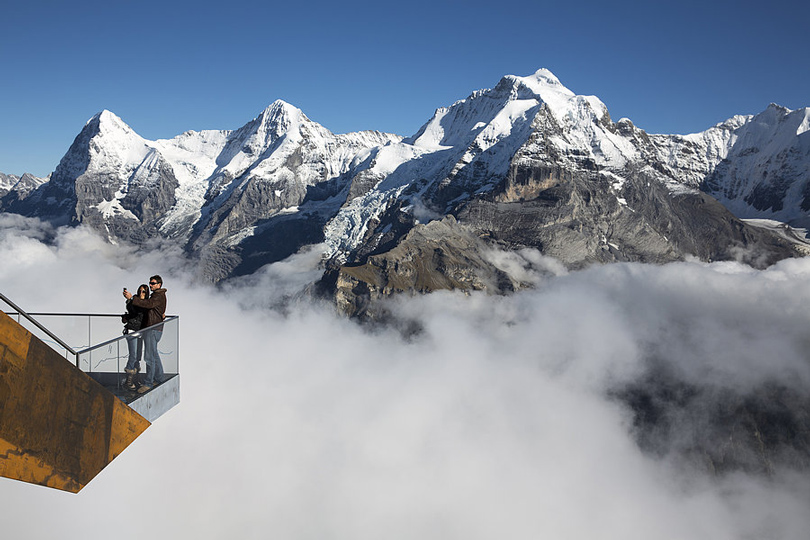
(169, 346)
(102, 328)
(111, 358)
(82, 331)
(77, 331)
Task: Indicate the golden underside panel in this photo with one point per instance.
(58, 427)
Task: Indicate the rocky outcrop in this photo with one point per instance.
(110, 179)
(441, 255)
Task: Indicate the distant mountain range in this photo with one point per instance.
(527, 164)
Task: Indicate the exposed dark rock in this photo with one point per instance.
(441, 255)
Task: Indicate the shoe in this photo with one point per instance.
(144, 389)
(129, 384)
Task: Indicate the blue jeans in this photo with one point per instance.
(135, 346)
(154, 367)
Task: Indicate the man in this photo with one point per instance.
(156, 312)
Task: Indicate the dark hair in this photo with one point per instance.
(145, 288)
(156, 278)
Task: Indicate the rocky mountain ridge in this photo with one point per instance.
(527, 164)
(19, 187)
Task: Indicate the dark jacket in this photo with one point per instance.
(155, 307)
(133, 318)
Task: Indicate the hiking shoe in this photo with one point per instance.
(130, 382)
(144, 389)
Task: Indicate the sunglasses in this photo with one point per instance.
(153, 283)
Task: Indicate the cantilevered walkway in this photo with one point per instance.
(64, 412)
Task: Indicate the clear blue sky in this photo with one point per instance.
(170, 66)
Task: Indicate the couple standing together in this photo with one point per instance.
(145, 309)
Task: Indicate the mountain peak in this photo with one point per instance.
(107, 118)
(494, 113)
(543, 78)
(109, 125)
(543, 84)
(281, 105)
(280, 113)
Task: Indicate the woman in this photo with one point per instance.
(134, 320)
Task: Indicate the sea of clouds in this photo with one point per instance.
(495, 419)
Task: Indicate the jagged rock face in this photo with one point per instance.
(122, 189)
(581, 211)
(283, 160)
(56, 199)
(7, 182)
(126, 197)
(276, 192)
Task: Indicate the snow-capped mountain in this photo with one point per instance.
(471, 145)
(531, 164)
(527, 163)
(21, 186)
(207, 189)
(766, 172)
(271, 166)
(466, 150)
(757, 166)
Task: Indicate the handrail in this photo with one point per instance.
(132, 334)
(78, 314)
(61, 314)
(38, 325)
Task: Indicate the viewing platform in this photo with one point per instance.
(65, 412)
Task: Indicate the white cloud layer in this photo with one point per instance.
(495, 421)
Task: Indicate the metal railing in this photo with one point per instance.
(85, 338)
(111, 355)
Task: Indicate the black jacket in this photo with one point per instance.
(134, 317)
